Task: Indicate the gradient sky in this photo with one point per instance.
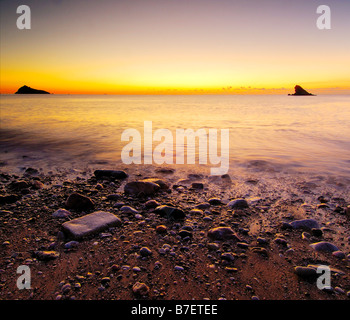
(175, 46)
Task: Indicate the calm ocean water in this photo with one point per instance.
(306, 134)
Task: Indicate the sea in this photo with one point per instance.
(267, 133)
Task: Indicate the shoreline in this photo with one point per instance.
(184, 262)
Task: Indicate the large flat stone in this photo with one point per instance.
(89, 224)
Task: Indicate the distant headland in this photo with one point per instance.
(29, 90)
(299, 91)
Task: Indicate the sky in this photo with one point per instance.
(175, 47)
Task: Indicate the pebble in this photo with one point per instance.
(46, 255)
(61, 213)
(179, 268)
(71, 244)
(207, 219)
(128, 209)
(152, 204)
(66, 288)
(170, 212)
(338, 254)
(79, 202)
(238, 204)
(145, 252)
(214, 201)
(222, 233)
(305, 272)
(141, 187)
(261, 240)
(324, 246)
(202, 206)
(140, 289)
(305, 224)
(161, 229)
(198, 212)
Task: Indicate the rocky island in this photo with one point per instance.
(299, 91)
(29, 90)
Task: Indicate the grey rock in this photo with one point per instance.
(110, 174)
(46, 255)
(170, 212)
(306, 272)
(324, 246)
(141, 188)
(91, 223)
(338, 254)
(238, 204)
(145, 252)
(79, 202)
(214, 201)
(128, 209)
(305, 224)
(222, 233)
(61, 213)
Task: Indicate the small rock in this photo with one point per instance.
(185, 233)
(170, 212)
(110, 174)
(338, 254)
(197, 185)
(161, 229)
(152, 204)
(79, 202)
(222, 233)
(324, 246)
(66, 288)
(202, 206)
(46, 255)
(197, 212)
(128, 209)
(141, 188)
(305, 272)
(145, 252)
(140, 289)
(71, 244)
(113, 197)
(227, 256)
(179, 268)
(61, 213)
(238, 204)
(215, 201)
(213, 246)
(305, 224)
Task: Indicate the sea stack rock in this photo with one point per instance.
(29, 90)
(299, 91)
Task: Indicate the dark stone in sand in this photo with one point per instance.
(10, 198)
(238, 204)
(305, 224)
(31, 172)
(29, 90)
(299, 91)
(222, 233)
(152, 204)
(170, 212)
(141, 188)
(110, 174)
(140, 289)
(324, 246)
(306, 272)
(19, 185)
(46, 255)
(162, 184)
(91, 223)
(214, 201)
(79, 202)
(145, 252)
(197, 185)
(185, 233)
